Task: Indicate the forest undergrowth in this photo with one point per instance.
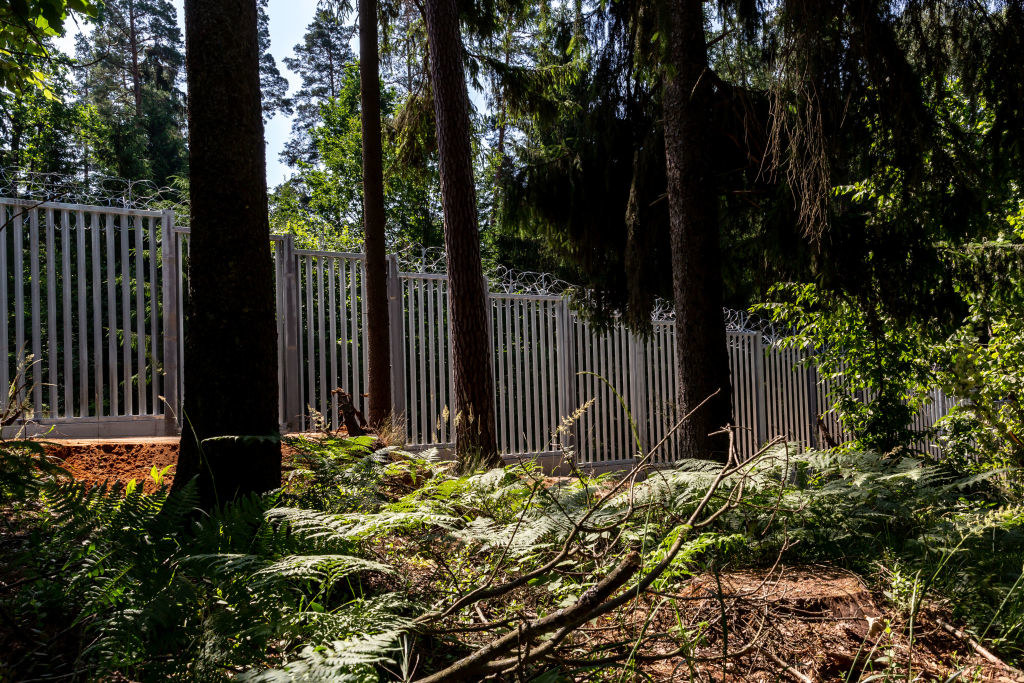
(387, 565)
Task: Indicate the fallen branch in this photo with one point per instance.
(484, 659)
(977, 647)
(787, 667)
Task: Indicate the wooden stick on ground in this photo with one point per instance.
(792, 671)
(978, 647)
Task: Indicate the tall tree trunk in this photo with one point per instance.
(133, 43)
(475, 440)
(701, 359)
(230, 366)
(373, 217)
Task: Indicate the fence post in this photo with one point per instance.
(170, 281)
(566, 350)
(396, 339)
(290, 325)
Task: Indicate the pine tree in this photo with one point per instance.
(475, 431)
(133, 64)
(230, 359)
(273, 85)
(374, 218)
(320, 60)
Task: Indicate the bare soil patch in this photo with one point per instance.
(802, 624)
(118, 461)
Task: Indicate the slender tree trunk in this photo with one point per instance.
(467, 296)
(133, 42)
(701, 359)
(374, 220)
(230, 366)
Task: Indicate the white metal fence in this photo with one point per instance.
(81, 286)
(95, 295)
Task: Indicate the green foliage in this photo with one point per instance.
(132, 74)
(980, 362)
(148, 587)
(877, 369)
(38, 128)
(331, 577)
(321, 204)
(25, 28)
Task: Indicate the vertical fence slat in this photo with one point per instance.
(410, 335)
(541, 403)
(354, 337)
(142, 404)
(310, 355)
(332, 304)
(126, 317)
(499, 371)
(37, 350)
(322, 342)
(51, 316)
(5, 377)
(67, 352)
(364, 376)
(433, 376)
(552, 363)
(115, 405)
(19, 301)
(180, 249)
(154, 322)
(519, 444)
(97, 316)
(343, 341)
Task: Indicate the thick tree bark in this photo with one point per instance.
(467, 296)
(374, 218)
(702, 364)
(230, 364)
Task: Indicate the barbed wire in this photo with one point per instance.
(504, 280)
(426, 260)
(104, 190)
(735, 320)
(94, 189)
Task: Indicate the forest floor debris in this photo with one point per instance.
(803, 623)
(808, 623)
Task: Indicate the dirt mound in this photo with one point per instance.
(796, 623)
(118, 461)
(111, 461)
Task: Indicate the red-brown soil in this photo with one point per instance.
(110, 461)
(802, 624)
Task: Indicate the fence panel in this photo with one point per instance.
(527, 371)
(428, 383)
(332, 333)
(81, 332)
(94, 332)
